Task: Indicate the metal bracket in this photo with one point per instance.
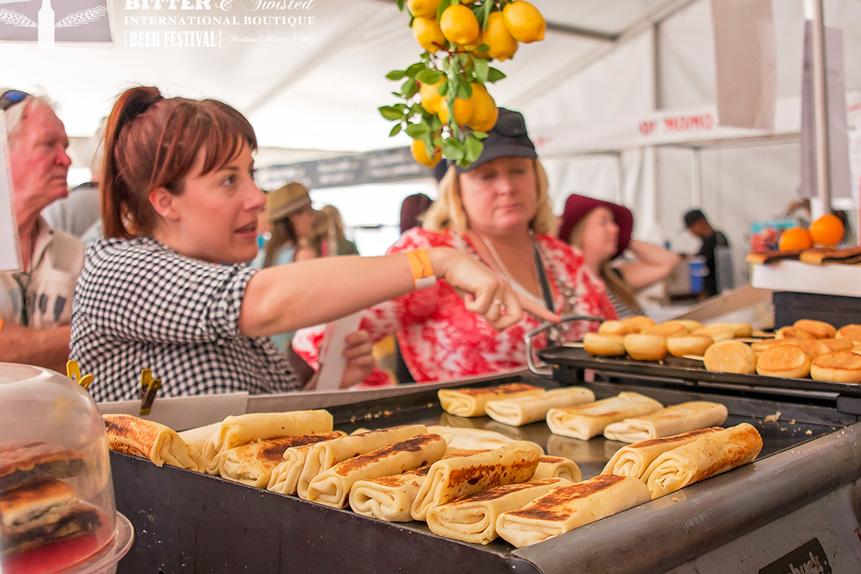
(539, 367)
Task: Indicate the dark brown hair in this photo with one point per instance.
(152, 142)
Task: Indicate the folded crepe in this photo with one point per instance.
(634, 459)
(452, 478)
(518, 411)
(324, 455)
(707, 456)
(389, 498)
(570, 506)
(470, 402)
(332, 487)
(22, 462)
(472, 518)
(254, 462)
(285, 476)
(585, 421)
(669, 421)
(238, 430)
(557, 467)
(472, 438)
(152, 440)
(196, 437)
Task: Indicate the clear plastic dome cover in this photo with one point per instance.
(56, 495)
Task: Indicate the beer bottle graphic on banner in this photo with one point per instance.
(46, 25)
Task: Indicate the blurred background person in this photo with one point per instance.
(601, 231)
(328, 237)
(291, 217)
(413, 208)
(715, 249)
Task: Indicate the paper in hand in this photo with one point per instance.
(332, 361)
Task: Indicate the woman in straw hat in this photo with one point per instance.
(601, 231)
(289, 211)
(169, 289)
(497, 212)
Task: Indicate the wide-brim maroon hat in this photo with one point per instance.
(578, 206)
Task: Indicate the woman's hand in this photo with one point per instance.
(360, 358)
(483, 291)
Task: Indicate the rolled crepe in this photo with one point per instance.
(285, 476)
(557, 467)
(634, 459)
(238, 430)
(707, 456)
(673, 420)
(254, 462)
(324, 455)
(518, 411)
(570, 506)
(152, 440)
(389, 498)
(472, 438)
(332, 487)
(470, 402)
(472, 518)
(455, 477)
(586, 421)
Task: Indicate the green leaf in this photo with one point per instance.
(413, 70)
(479, 135)
(396, 75)
(428, 76)
(494, 75)
(409, 88)
(486, 7)
(452, 149)
(401, 5)
(464, 90)
(441, 8)
(473, 149)
(482, 70)
(443, 89)
(391, 113)
(395, 130)
(416, 131)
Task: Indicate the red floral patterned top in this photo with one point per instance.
(440, 340)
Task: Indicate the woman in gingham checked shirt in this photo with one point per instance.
(169, 288)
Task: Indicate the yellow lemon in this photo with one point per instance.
(421, 155)
(462, 111)
(524, 22)
(428, 33)
(499, 40)
(484, 111)
(426, 8)
(431, 100)
(459, 25)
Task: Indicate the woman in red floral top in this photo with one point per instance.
(498, 211)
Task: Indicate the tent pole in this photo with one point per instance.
(819, 69)
(620, 178)
(696, 178)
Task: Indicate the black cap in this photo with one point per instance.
(693, 216)
(508, 138)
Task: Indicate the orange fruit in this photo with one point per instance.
(794, 238)
(827, 230)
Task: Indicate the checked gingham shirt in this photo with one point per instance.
(140, 305)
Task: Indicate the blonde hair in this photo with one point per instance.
(447, 211)
(612, 278)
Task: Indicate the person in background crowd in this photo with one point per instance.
(601, 231)
(291, 216)
(413, 208)
(36, 303)
(713, 242)
(327, 235)
(497, 212)
(170, 288)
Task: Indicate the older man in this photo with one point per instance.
(36, 304)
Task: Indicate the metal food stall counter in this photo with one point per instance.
(798, 503)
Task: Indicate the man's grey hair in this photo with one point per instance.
(16, 115)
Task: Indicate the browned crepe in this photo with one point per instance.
(470, 402)
(152, 440)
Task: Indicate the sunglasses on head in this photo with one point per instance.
(10, 98)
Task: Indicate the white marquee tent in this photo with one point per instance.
(309, 74)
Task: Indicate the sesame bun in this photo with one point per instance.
(730, 357)
(840, 367)
(686, 344)
(646, 347)
(603, 345)
(613, 327)
(793, 333)
(665, 329)
(819, 329)
(788, 361)
(718, 333)
(851, 332)
(637, 323)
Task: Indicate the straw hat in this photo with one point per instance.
(579, 206)
(287, 200)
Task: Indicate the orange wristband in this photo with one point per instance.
(421, 268)
(1, 324)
